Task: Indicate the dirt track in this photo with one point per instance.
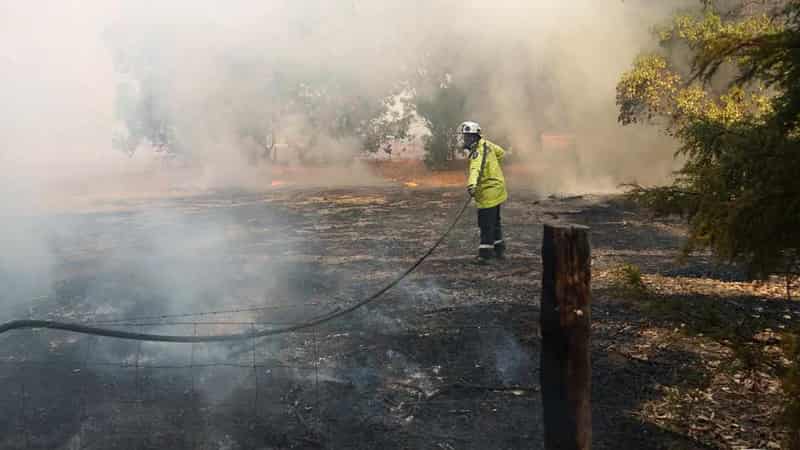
(446, 360)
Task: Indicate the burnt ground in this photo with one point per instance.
(689, 356)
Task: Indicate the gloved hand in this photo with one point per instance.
(471, 190)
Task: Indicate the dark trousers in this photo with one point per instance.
(492, 243)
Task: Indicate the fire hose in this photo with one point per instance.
(136, 336)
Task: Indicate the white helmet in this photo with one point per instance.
(469, 128)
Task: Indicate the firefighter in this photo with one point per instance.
(487, 186)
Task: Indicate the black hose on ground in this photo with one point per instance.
(108, 332)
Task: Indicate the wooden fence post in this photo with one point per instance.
(565, 324)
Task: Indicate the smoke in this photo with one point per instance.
(75, 78)
(552, 67)
(218, 83)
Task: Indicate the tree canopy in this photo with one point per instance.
(734, 110)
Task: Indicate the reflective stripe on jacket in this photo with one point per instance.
(491, 188)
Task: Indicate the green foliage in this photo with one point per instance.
(628, 282)
(740, 139)
(632, 276)
(739, 187)
(442, 110)
(646, 91)
(662, 200)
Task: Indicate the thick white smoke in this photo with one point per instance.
(552, 66)
(214, 69)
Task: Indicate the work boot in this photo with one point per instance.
(484, 256)
(500, 251)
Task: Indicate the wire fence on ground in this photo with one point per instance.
(186, 382)
(422, 385)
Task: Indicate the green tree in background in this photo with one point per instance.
(442, 110)
(734, 111)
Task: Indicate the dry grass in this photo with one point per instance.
(746, 391)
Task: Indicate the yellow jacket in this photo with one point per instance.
(491, 188)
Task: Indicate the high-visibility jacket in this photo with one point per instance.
(490, 189)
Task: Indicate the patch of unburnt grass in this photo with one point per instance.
(759, 357)
(696, 315)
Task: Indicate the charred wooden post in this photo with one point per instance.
(565, 321)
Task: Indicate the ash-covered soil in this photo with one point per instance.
(447, 360)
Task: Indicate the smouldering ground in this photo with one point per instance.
(448, 360)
